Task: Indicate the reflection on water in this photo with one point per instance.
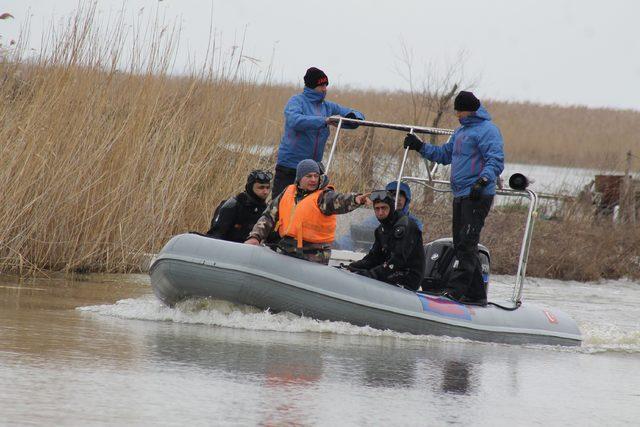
(101, 364)
(456, 377)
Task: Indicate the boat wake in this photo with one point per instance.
(598, 337)
(204, 311)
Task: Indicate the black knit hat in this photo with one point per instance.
(466, 101)
(315, 77)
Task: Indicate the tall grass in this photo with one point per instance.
(105, 154)
(99, 166)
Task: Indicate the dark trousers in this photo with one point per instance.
(283, 178)
(468, 220)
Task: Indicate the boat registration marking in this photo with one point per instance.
(445, 307)
(550, 317)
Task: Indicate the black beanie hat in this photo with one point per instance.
(315, 77)
(466, 101)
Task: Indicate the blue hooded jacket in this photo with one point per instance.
(305, 129)
(474, 150)
(404, 188)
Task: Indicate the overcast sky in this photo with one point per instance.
(555, 51)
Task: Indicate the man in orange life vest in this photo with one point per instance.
(304, 215)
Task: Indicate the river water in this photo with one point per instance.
(104, 351)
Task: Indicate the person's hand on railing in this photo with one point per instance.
(332, 120)
(351, 125)
(412, 142)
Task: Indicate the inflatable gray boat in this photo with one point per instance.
(195, 266)
(191, 265)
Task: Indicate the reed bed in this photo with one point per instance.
(106, 154)
(569, 246)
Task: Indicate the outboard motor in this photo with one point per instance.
(440, 260)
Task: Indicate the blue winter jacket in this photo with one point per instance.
(404, 188)
(305, 130)
(474, 150)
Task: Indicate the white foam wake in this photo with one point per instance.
(603, 337)
(598, 336)
(225, 314)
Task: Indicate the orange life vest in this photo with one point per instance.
(304, 221)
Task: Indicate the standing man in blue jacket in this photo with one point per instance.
(476, 154)
(306, 127)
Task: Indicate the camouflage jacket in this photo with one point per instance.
(330, 203)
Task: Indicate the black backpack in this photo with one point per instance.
(215, 214)
(217, 210)
(441, 260)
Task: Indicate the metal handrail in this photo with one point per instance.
(397, 126)
(393, 126)
(335, 143)
(524, 248)
(370, 123)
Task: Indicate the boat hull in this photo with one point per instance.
(196, 266)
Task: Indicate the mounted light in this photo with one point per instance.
(518, 181)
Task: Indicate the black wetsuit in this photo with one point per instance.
(236, 217)
(397, 255)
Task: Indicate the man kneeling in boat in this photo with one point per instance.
(304, 215)
(397, 255)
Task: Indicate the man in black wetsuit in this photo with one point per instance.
(234, 219)
(397, 255)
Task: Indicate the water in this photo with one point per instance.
(552, 179)
(105, 351)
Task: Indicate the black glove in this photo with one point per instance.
(352, 267)
(412, 142)
(396, 277)
(367, 273)
(476, 190)
(372, 273)
(378, 272)
(346, 125)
